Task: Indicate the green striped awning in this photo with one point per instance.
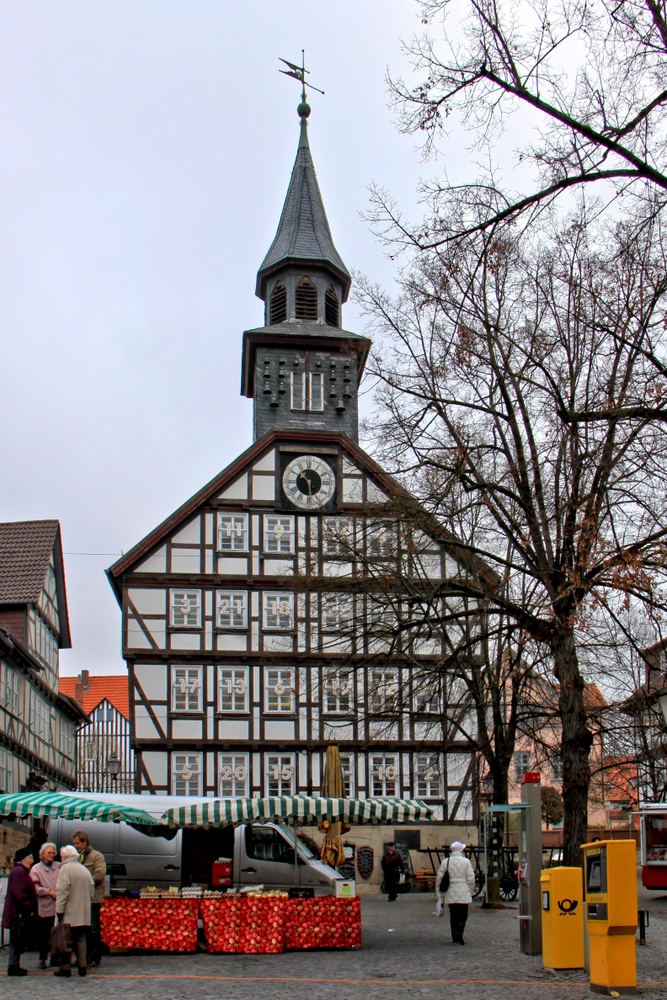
(301, 809)
(70, 807)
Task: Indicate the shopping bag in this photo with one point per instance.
(401, 878)
(61, 941)
(439, 907)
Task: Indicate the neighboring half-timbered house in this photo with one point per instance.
(260, 620)
(37, 724)
(105, 700)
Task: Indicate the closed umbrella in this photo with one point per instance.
(333, 786)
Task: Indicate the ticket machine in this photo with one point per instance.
(610, 883)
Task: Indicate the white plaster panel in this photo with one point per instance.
(233, 729)
(237, 490)
(255, 563)
(209, 529)
(336, 569)
(267, 463)
(156, 563)
(190, 533)
(148, 601)
(349, 468)
(186, 729)
(186, 560)
(143, 724)
(429, 564)
(279, 729)
(438, 813)
(383, 730)
(185, 640)
(278, 643)
(232, 641)
(278, 567)
(153, 680)
(136, 638)
(208, 603)
(373, 493)
(156, 765)
(232, 566)
(338, 730)
(208, 560)
(263, 488)
(158, 629)
(353, 491)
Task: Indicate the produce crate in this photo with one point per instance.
(323, 922)
(150, 924)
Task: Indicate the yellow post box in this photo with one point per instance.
(562, 918)
(611, 914)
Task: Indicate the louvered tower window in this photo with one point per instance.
(330, 308)
(306, 300)
(278, 304)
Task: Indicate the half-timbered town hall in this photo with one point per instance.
(259, 618)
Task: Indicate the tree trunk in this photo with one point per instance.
(577, 741)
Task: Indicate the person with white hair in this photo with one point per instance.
(74, 895)
(45, 875)
(457, 889)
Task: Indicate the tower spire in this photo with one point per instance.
(303, 110)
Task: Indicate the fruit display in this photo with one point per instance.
(150, 924)
(256, 922)
(252, 923)
(322, 922)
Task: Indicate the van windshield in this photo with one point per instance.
(304, 849)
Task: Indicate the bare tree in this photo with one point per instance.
(588, 77)
(485, 361)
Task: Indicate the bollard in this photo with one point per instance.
(643, 924)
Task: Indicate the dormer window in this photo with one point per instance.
(306, 300)
(331, 308)
(278, 304)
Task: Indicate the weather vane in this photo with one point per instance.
(299, 73)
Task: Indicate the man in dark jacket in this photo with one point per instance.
(20, 906)
(392, 868)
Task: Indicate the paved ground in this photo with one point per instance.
(406, 952)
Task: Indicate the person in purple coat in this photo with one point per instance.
(20, 906)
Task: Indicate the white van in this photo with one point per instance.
(261, 854)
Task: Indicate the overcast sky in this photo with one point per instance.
(147, 147)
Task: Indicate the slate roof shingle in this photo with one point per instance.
(25, 550)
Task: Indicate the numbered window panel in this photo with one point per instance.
(384, 776)
(186, 774)
(278, 612)
(232, 689)
(9, 688)
(185, 608)
(338, 691)
(279, 689)
(232, 532)
(426, 693)
(278, 533)
(187, 689)
(337, 622)
(382, 690)
(280, 774)
(380, 539)
(233, 775)
(231, 609)
(338, 537)
(427, 776)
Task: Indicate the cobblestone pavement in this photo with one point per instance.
(406, 952)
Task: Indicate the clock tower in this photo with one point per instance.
(301, 368)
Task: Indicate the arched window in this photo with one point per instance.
(278, 304)
(330, 307)
(306, 300)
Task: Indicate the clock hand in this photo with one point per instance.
(302, 475)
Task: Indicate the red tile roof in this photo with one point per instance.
(114, 688)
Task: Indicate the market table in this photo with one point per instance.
(150, 924)
(232, 924)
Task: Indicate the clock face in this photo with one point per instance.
(309, 482)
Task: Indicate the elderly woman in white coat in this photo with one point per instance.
(460, 890)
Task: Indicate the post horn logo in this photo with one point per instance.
(567, 907)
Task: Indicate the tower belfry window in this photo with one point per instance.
(331, 308)
(306, 300)
(278, 304)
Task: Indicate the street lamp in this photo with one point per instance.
(113, 767)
